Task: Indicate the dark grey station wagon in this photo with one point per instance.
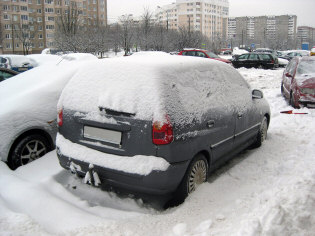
(155, 123)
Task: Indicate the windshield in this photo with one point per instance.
(212, 55)
(306, 67)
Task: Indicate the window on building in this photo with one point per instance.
(50, 27)
(39, 2)
(39, 10)
(8, 45)
(49, 10)
(23, 8)
(40, 36)
(7, 36)
(6, 17)
(24, 17)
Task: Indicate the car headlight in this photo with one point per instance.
(308, 91)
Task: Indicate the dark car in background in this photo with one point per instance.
(6, 74)
(257, 60)
(298, 82)
(162, 133)
(202, 53)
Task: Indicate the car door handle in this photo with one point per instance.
(210, 123)
(239, 116)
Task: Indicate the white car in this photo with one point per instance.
(28, 111)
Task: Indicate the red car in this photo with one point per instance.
(202, 53)
(298, 82)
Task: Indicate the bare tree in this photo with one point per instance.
(146, 29)
(67, 34)
(127, 32)
(24, 32)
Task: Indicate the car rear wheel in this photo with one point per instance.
(196, 174)
(262, 133)
(27, 150)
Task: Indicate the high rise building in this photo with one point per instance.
(306, 34)
(32, 23)
(210, 17)
(263, 31)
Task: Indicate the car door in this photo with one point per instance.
(241, 61)
(253, 60)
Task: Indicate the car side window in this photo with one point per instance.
(253, 57)
(243, 57)
(265, 57)
(4, 75)
(200, 54)
(189, 53)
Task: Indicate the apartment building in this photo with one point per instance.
(210, 17)
(32, 23)
(306, 34)
(263, 31)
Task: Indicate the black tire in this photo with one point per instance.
(292, 101)
(196, 174)
(262, 133)
(27, 150)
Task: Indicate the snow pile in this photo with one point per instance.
(237, 51)
(43, 59)
(141, 165)
(79, 57)
(284, 211)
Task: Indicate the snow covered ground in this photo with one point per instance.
(264, 191)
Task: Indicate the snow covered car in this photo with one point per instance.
(298, 82)
(312, 53)
(28, 112)
(17, 63)
(156, 124)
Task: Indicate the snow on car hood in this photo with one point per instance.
(151, 85)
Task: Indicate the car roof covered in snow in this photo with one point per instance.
(152, 84)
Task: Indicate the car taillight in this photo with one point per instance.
(162, 132)
(60, 117)
(272, 61)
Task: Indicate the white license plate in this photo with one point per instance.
(105, 135)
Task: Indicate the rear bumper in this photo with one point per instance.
(155, 183)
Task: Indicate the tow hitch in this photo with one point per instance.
(91, 177)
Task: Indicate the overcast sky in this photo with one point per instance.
(304, 9)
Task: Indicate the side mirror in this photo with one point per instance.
(257, 94)
(288, 75)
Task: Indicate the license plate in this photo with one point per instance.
(105, 135)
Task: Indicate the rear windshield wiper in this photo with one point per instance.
(116, 113)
